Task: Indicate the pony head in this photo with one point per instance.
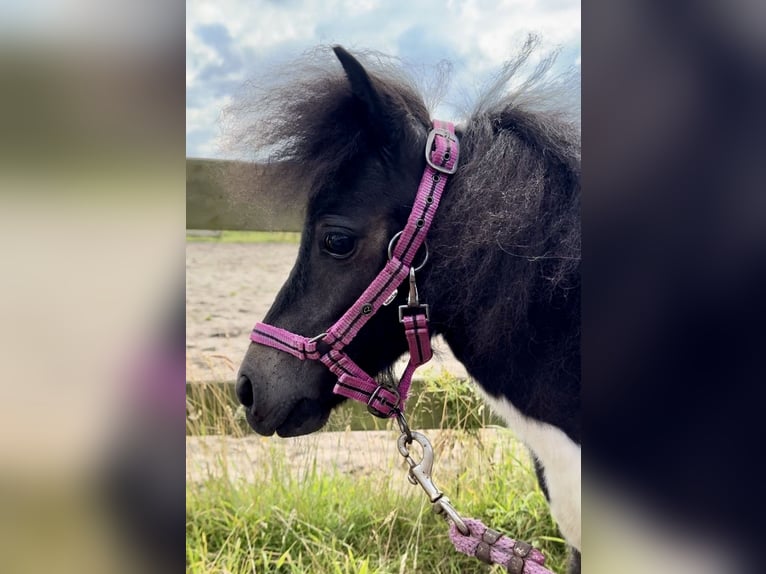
(358, 138)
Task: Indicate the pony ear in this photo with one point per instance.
(379, 118)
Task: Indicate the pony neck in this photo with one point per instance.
(517, 337)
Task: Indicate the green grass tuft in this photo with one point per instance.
(339, 523)
(247, 237)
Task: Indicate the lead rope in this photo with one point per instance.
(469, 536)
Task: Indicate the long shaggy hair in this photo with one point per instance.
(306, 119)
(518, 192)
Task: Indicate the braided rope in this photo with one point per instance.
(494, 548)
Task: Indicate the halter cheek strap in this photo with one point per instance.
(442, 150)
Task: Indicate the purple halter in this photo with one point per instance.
(442, 150)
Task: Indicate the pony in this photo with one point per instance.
(502, 277)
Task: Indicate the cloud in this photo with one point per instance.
(422, 43)
(229, 41)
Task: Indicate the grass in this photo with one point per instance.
(247, 237)
(283, 519)
(439, 401)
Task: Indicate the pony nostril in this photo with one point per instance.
(245, 391)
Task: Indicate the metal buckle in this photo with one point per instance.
(409, 310)
(429, 144)
(413, 306)
(380, 414)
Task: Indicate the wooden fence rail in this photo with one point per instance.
(240, 196)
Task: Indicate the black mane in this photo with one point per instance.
(517, 190)
(310, 120)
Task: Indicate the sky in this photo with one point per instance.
(231, 41)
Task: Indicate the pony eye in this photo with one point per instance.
(339, 245)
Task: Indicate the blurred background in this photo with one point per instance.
(91, 296)
(674, 271)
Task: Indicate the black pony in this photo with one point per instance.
(502, 279)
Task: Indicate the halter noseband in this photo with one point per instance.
(441, 152)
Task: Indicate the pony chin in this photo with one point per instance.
(303, 417)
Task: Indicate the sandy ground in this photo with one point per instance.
(229, 287)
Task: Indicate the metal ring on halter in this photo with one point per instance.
(317, 338)
(391, 249)
(380, 414)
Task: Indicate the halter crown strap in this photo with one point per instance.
(442, 151)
